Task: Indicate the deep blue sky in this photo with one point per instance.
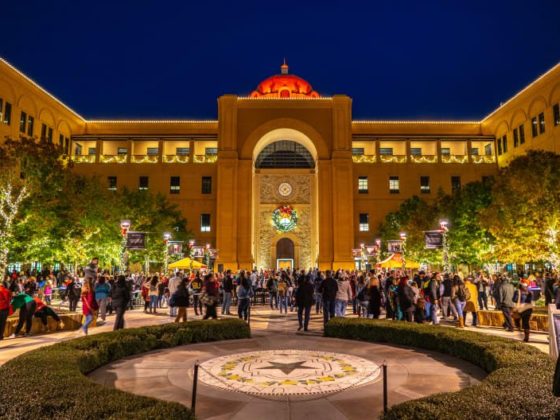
(396, 59)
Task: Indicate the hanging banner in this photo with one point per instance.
(394, 247)
(433, 239)
(136, 240)
(175, 248)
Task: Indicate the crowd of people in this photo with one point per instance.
(422, 297)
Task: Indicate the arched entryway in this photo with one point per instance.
(285, 253)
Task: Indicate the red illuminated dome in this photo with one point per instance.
(284, 85)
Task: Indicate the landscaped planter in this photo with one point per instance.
(50, 382)
(70, 321)
(539, 320)
(519, 384)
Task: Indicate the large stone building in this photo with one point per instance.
(285, 176)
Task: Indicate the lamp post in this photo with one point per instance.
(378, 251)
(207, 257)
(403, 247)
(166, 238)
(125, 227)
(444, 229)
(191, 246)
(363, 255)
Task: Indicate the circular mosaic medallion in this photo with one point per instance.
(288, 372)
(284, 189)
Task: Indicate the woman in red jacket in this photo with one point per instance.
(5, 298)
(89, 305)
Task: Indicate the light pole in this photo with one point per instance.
(166, 238)
(125, 227)
(207, 256)
(191, 246)
(444, 229)
(403, 247)
(378, 251)
(363, 255)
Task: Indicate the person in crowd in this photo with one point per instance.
(406, 299)
(471, 305)
(89, 304)
(282, 287)
(431, 297)
(549, 295)
(172, 286)
(374, 298)
(317, 279)
(304, 301)
(5, 299)
(505, 301)
(343, 295)
(91, 270)
(180, 299)
(244, 295)
(162, 287)
(153, 293)
(482, 285)
(73, 293)
(120, 296)
(362, 297)
(196, 289)
(26, 305)
(272, 287)
(211, 290)
(459, 295)
(48, 291)
(227, 288)
(43, 311)
(524, 308)
(102, 296)
(328, 290)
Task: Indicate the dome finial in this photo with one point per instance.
(284, 67)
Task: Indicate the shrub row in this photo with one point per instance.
(519, 384)
(50, 382)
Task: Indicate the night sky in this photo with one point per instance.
(172, 59)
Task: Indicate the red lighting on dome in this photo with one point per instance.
(284, 85)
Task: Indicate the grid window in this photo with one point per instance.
(112, 183)
(122, 151)
(455, 183)
(358, 151)
(153, 151)
(8, 114)
(206, 185)
(174, 185)
(416, 151)
(363, 184)
(515, 137)
(556, 114)
(541, 123)
(394, 185)
(521, 134)
(386, 151)
(91, 151)
(143, 183)
(182, 151)
(474, 151)
(30, 125)
(205, 222)
(534, 128)
(22, 121)
(211, 151)
(425, 184)
(445, 151)
(504, 144)
(364, 222)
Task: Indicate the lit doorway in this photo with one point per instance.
(285, 251)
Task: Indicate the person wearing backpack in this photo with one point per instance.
(283, 293)
(271, 286)
(459, 298)
(472, 301)
(180, 299)
(73, 294)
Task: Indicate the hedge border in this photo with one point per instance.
(519, 383)
(50, 382)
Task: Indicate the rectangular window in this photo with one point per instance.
(521, 134)
(541, 123)
(122, 151)
(205, 222)
(112, 183)
(425, 184)
(515, 137)
(174, 185)
(416, 151)
(30, 125)
(61, 140)
(499, 143)
(206, 185)
(49, 134)
(364, 222)
(555, 114)
(534, 127)
(182, 151)
(153, 151)
(504, 144)
(394, 185)
(455, 183)
(386, 151)
(66, 145)
(78, 150)
(43, 132)
(445, 151)
(8, 113)
(211, 151)
(488, 149)
(474, 151)
(143, 182)
(22, 121)
(358, 151)
(91, 151)
(363, 184)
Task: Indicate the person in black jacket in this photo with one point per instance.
(180, 299)
(304, 301)
(73, 294)
(120, 296)
(328, 289)
(406, 299)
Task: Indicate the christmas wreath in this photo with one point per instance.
(284, 218)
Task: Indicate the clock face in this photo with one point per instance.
(284, 189)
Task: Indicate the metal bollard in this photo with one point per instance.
(385, 396)
(195, 382)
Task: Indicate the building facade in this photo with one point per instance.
(285, 176)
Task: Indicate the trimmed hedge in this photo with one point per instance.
(519, 384)
(50, 382)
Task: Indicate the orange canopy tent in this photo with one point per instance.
(395, 261)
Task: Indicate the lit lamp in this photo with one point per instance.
(125, 227)
(443, 226)
(378, 253)
(403, 248)
(166, 238)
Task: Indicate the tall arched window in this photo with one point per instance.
(285, 154)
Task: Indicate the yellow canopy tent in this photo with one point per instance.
(395, 261)
(187, 264)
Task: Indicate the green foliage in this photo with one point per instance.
(50, 383)
(519, 384)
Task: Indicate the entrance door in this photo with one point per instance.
(285, 253)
